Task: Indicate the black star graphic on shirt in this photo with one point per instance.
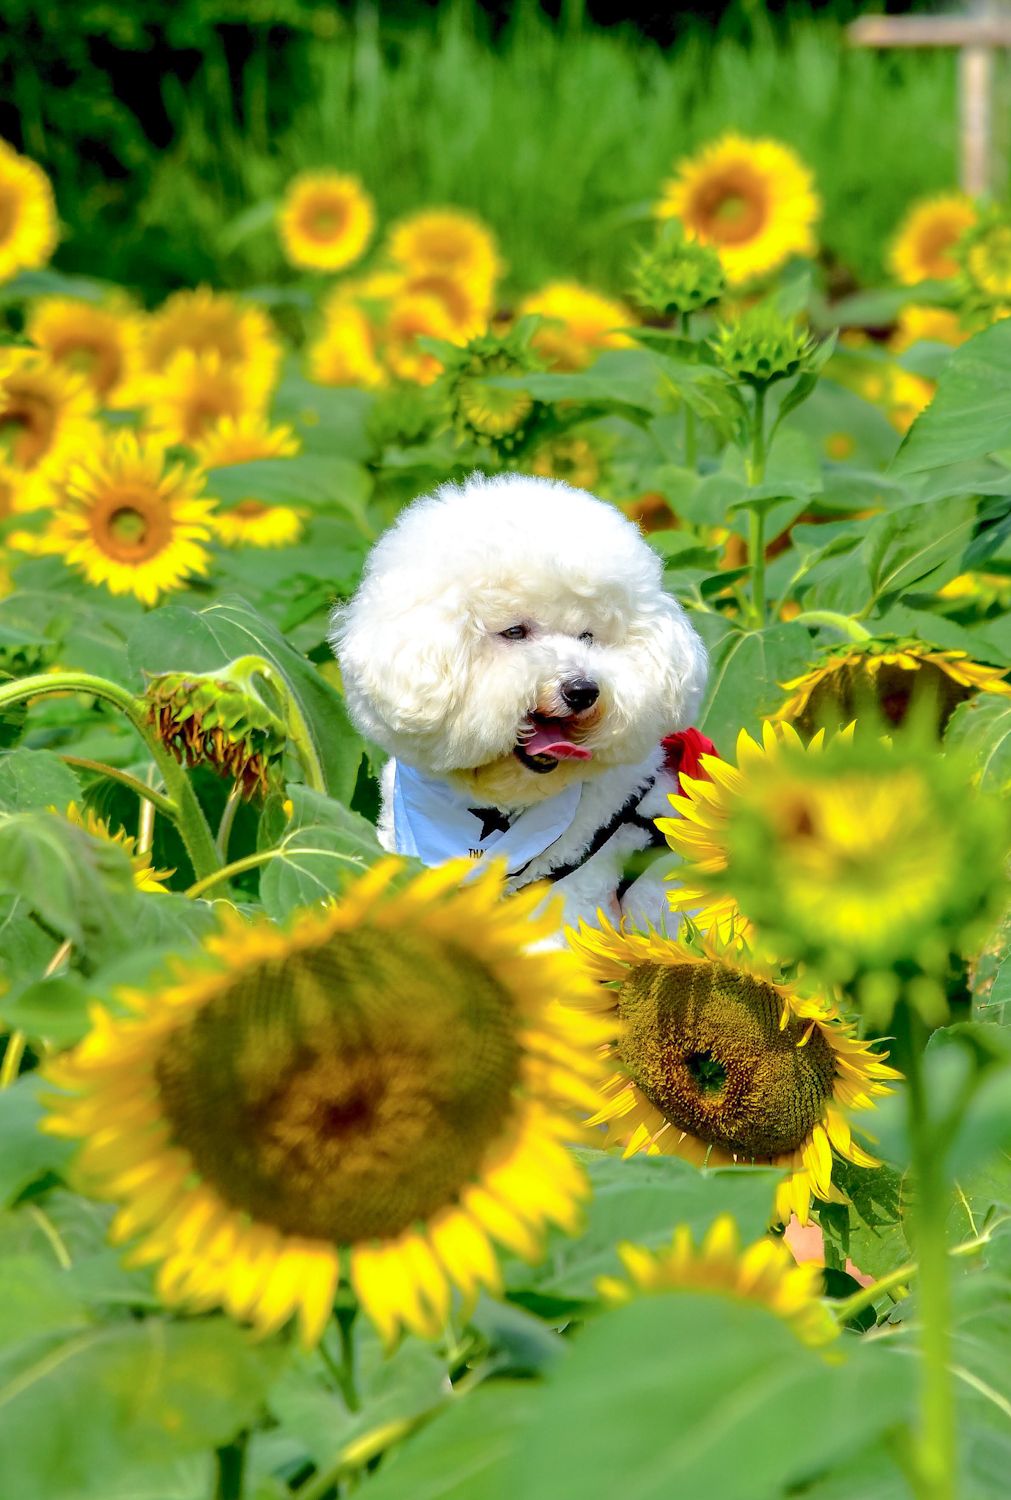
(492, 820)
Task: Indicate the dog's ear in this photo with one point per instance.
(404, 667)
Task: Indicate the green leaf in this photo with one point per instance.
(36, 779)
(981, 728)
(643, 1200)
(35, 1299)
(323, 482)
(313, 863)
(918, 542)
(178, 639)
(80, 886)
(81, 1408)
(27, 1154)
(970, 414)
(694, 1394)
(331, 420)
(745, 677)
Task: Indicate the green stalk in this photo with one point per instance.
(160, 803)
(237, 867)
(851, 629)
(231, 1462)
(756, 516)
(691, 444)
(934, 1455)
(187, 814)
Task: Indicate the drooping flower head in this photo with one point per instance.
(128, 518)
(577, 324)
(887, 679)
(28, 224)
(326, 221)
(388, 1084)
(229, 720)
(752, 200)
(719, 1063)
(854, 854)
(923, 248)
(764, 1273)
(101, 343)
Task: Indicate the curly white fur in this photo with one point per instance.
(430, 678)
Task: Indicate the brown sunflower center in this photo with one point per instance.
(27, 425)
(9, 204)
(704, 1044)
(852, 691)
(936, 244)
(325, 218)
(98, 360)
(348, 1091)
(729, 207)
(131, 526)
(249, 510)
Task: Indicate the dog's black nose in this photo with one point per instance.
(579, 693)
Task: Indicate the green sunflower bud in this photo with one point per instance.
(678, 275)
(760, 346)
(479, 411)
(984, 254)
(220, 720)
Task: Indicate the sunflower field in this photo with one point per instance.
(324, 1174)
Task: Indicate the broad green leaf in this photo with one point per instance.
(326, 419)
(745, 679)
(914, 543)
(81, 886)
(620, 378)
(970, 414)
(36, 779)
(700, 1395)
(643, 1200)
(25, 949)
(313, 863)
(35, 1299)
(26, 1152)
(321, 482)
(981, 728)
(178, 639)
(53, 1010)
(80, 1408)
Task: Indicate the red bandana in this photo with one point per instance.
(682, 752)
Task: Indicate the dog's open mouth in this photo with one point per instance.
(547, 741)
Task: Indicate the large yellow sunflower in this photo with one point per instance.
(578, 324)
(887, 680)
(765, 1273)
(924, 242)
(212, 323)
(381, 1090)
(127, 518)
(753, 200)
(100, 343)
(145, 877)
(345, 352)
(718, 1063)
(326, 221)
(243, 439)
(447, 243)
(195, 392)
(46, 419)
(28, 224)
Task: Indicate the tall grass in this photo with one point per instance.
(560, 138)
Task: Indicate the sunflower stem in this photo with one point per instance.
(301, 739)
(756, 516)
(345, 1317)
(13, 1053)
(227, 819)
(237, 867)
(186, 812)
(845, 624)
(158, 801)
(231, 1462)
(934, 1453)
(691, 446)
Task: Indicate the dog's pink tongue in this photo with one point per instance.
(545, 741)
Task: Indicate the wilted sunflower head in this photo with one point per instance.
(28, 224)
(231, 720)
(765, 1273)
(719, 1062)
(887, 680)
(855, 854)
(391, 1079)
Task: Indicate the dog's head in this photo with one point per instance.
(513, 634)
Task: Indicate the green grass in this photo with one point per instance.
(559, 140)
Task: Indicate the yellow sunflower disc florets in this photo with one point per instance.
(387, 1085)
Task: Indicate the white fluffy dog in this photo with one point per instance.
(512, 647)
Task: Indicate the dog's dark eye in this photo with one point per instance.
(587, 636)
(515, 633)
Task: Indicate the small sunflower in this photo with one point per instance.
(46, 419)
(499, 417)
(384, 1088)
(853, 854)
(100, 343)
(326, 221)
(212, 323)
(937, 325)
(196, 392)
(925, 240)
(578, 324)
(885, 678)
(345, 352)
(28, 224)
(127, 518)
(572, 458)
(449, 244)
(145, 877)
(752, 200)
(242, 440)
(412, 318)
(252, 523)
(718, 1063)
(765, 1273)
